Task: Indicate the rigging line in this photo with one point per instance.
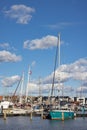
(17, 86)
(56, 55)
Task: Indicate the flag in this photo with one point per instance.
(30, 72)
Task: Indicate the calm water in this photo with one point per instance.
(24, 123)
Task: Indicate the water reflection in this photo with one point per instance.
(24, 123)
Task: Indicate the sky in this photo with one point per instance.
(28, 38)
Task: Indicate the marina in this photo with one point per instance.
(54, 108)
(41, 112)
(43, 65)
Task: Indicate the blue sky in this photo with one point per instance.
(28, 37)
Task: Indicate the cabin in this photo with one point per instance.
(6, 104)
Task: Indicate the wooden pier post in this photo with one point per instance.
(4, 114)
(42, 113)
(62, 116)
(31, 115)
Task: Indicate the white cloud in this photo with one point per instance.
(10, 81)
(21, 13)
(78, 66)
(6, 56)
(59, 76)
(6, 46)
(74, 71)
(46, 42)
(80, 76)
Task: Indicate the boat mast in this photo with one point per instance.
(27, 89)
(39, 87)
(59, 60)
(59, 50)
(22, 85)
(59, 66)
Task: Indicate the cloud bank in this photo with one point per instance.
(75, 71)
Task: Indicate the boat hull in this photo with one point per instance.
(60, 114)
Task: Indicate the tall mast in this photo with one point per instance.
(22, 85)
(59, 61)
(27, 89)
(39, 87)
(59, 50)
(59, 66)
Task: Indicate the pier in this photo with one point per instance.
(31, 113)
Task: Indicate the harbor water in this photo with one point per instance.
(24, 123)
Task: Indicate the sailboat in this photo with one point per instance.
(59, 113)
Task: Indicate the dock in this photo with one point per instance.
(20, 112)
(29, 112)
